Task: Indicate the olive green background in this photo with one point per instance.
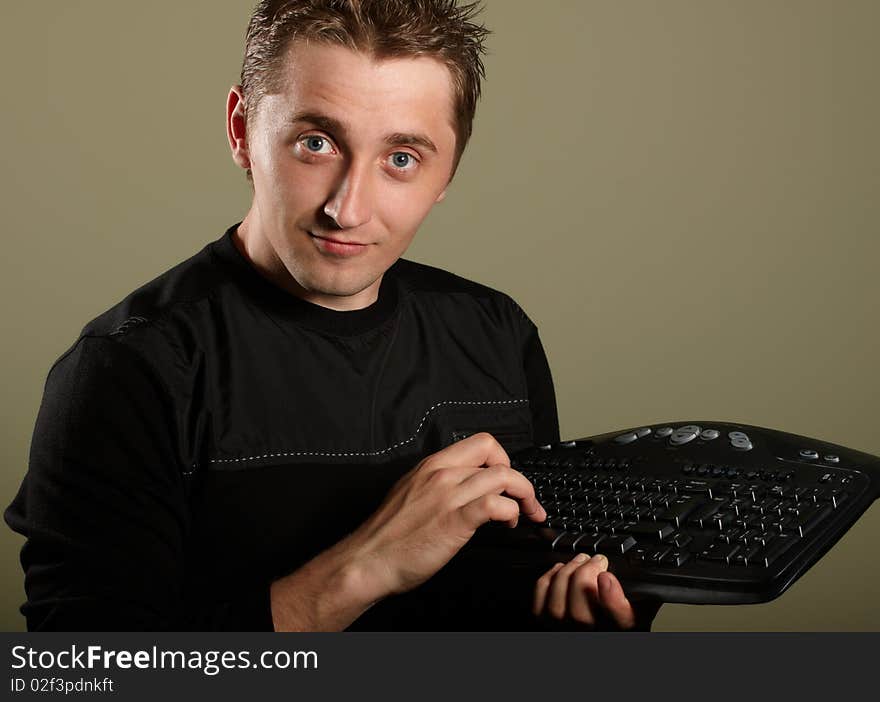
(682, 194)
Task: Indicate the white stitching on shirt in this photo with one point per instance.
(368, 453)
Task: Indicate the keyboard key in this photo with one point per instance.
(680, 508)
(657, 554)
(804, 524)
(737, 489)
(837, 498)
(816, 494)
(699, 543)
(740, 505)
(703, 516)
(696, 487)
(681, 539)
(762, 538)
(779, 546)
(731, 535)
(675, 559)
(802, 494)
(565, 541)
(590, 543)
(638, 554)
(747, 535)
(779, 525)
(656, 531)
(769, 506)
(548, 535)
(602, 525)
(617, 544)
(720, 552)
(747, 555)
(722, 520)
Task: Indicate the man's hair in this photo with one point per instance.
(384, 29)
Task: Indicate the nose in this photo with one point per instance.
(350, 203)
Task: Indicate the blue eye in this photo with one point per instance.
(402, 160)
(316, 144)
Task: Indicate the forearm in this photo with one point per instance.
(326, 594)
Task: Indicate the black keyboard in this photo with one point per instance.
(694, 512)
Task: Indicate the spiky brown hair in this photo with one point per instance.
(441, 29)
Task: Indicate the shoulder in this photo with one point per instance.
(443, 290)
(183, 285)
(159, 322)
(419, 277)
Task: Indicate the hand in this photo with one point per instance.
(584, 595)
(433, 510)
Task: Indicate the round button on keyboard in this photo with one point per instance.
(682, 437)
(741, 444)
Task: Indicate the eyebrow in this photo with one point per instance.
(331, 124)
(400, 139)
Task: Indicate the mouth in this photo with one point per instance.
(338, 247)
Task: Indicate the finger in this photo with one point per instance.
(614, 601)
(489, 508)
(583, 590)
(557, 594)
(502, 478)
(477, 450)
(542, 585)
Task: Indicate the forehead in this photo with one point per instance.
(372, 96)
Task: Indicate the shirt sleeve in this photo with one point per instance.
(542, 396)
(103, 505)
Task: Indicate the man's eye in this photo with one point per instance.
(317, 144)
(403, 161)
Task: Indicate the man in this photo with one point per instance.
(295, 429)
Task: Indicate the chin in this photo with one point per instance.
(339, 287)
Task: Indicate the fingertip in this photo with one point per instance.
(555, 567)
(539, 514)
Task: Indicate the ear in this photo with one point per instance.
(441, 197)
(236, 127)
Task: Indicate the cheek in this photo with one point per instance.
(403, 210)
(300, 185)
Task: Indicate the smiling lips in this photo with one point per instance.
(337, 247)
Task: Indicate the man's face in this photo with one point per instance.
(347, 162)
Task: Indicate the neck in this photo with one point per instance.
(259, 253)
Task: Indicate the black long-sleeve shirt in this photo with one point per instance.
(211, 433)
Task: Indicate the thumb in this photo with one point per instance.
(614, 602)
